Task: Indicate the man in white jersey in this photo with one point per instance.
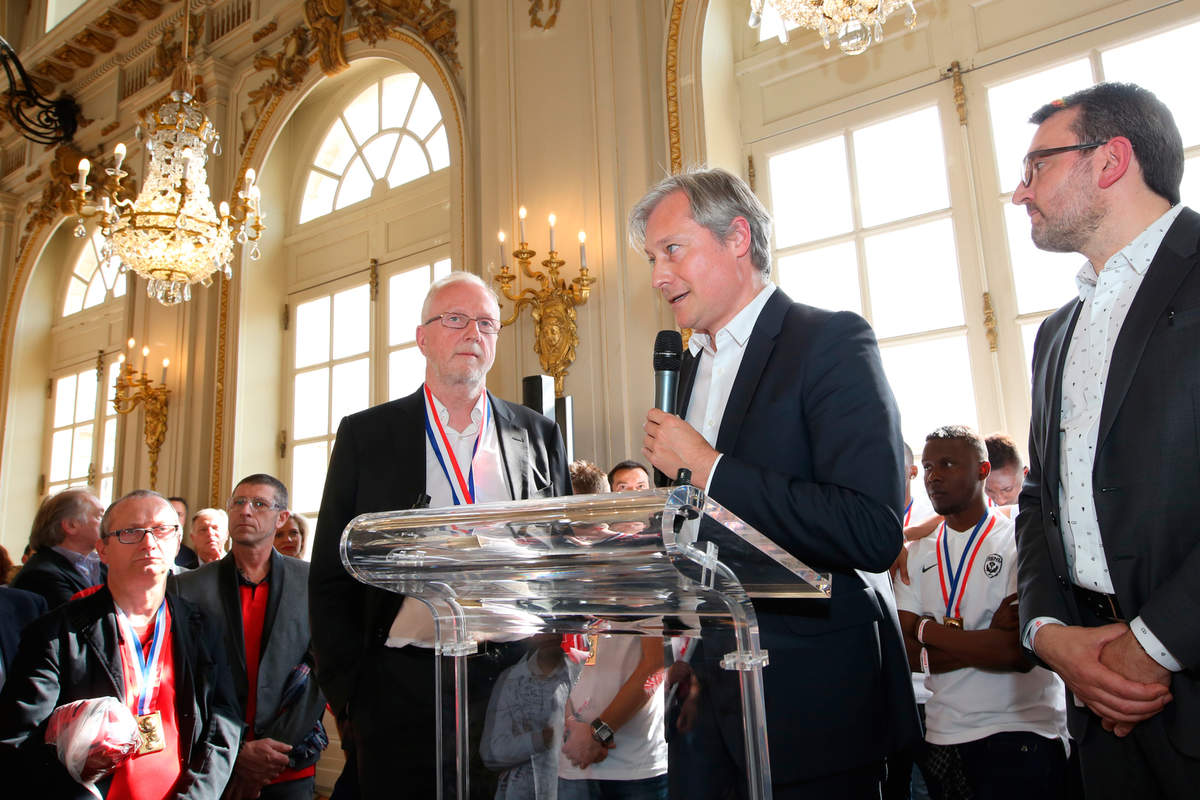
(995, 728)
(1108, 533)
(449, 443)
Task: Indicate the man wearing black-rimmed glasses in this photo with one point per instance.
(1108, 541)
(128, 639)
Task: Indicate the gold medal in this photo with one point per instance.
(150, 731)
(593, 643)
(952, 622)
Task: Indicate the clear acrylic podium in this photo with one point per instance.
(518, 576)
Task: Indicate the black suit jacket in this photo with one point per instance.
(378, 464)
(50, 574)
(72, 654)
(18, 608)
(812, 458)
(1145, 477)
(286, 643)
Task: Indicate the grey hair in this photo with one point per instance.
(452, 278)
(716, 198)
(134, 495)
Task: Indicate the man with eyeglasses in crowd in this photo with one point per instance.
(261, 599)
(1108, 541)
(129, 639)
(448, 443)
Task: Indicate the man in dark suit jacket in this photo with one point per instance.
(795, 431)
(260, 597)
(393, 457)
(18, 608)
(73, 653)
(1109, 545)
(64, 535)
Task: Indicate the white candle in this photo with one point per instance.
(85, 167)
(131, 343)
(500, 236)
(582, 250)
(166, 363)
(119, 154)
(521, 224)
(553, 219)
(145, 355)
(249, 178)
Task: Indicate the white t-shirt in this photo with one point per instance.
(640, 746)
(970, 704)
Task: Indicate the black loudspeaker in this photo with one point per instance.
(537, 392)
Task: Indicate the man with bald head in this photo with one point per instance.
(101, 645)
(450, 442)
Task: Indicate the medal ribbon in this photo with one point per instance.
(953, 596)
(145, 667)
(907, 513)
(466, 488)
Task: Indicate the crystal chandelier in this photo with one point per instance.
(171, 235)
(852, 23)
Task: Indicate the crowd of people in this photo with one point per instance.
(1028, 636)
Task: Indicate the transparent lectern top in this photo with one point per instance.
(650, 562)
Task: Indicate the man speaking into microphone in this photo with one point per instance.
(784, 417)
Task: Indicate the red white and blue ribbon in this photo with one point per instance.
(953, 581)
(146, 666)
(462, 489)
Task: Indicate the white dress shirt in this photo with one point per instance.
(1106, 299)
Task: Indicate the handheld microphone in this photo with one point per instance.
(668, 355)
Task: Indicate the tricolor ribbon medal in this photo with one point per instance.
(462, 490)
(147, 668)
(954, 581)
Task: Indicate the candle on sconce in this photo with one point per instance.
(521, 212)
(85, 167)
(130, 344)
(553, 219)
(145, 355)
(119, 154)
(582, 250)
(500, 236)
(121, 359)
(166, 363)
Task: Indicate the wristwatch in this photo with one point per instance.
(601, 732)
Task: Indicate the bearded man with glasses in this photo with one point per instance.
(450, 442)
(1108, 544)
(128, 638)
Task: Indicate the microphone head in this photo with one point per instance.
(668, 350)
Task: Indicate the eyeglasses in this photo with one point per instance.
(135, 535)
(453, 319)
(256, 503)
(1032, 157)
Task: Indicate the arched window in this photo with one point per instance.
(393, 132)
(94, 279)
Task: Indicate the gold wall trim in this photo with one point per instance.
(673, 137)
(9, 329)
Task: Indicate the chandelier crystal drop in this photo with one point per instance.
(853, 24)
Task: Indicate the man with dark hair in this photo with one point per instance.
(93, 647)
(187, 556)
(786, 419)
(451, 442)
(1008, 470)
(65, 532)
(993, 726)
(586, 478)
(629, 476)
(261, 599)
(1109, 545)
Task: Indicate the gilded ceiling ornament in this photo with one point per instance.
(112, 21)
(290, 65)
(433, 20)
(169, 52)
(325, 19)
(94, 40)
(535, 13)
(74, 55)
(146, 9)
(264, 31)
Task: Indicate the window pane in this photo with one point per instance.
(917, 373)
(119, 285)
(1043, 280)
(826, 277)
(901, 167)
(311, 413)
(1028, 335)
(397, 98)
(106, 491)
(362, 115)
(95, 291)
(406, 371)
(336, 150)
(425, 113)
(108, 460)
(356, 185)
(379, 154)
(81, 451)
(85, 397)
(441, 268)
(312, 332)
(76, 289)
(406, 293)
(351, 389)
(913, 276)
(351, 321)
(810, 192)
(60, 455)
(309, 462)
(410, 163)
(439, 148)
(64, 401)
(318, 196)
(86, 265)
(1166, 65)
(1010, 105)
